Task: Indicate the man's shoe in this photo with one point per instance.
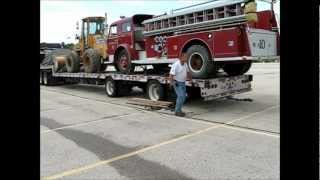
(180, 114)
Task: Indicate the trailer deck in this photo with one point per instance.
(212, 88)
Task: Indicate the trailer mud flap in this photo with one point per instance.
(226, 86)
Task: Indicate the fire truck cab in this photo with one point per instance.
(224, 35)
(125, 40)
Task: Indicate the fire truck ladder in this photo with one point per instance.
(217, 15)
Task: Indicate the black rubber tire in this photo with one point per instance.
(73, 62)
(160, 89)
(41, 78)
(47, 78)
(237, 68)
(114, 84)
(71, 58)
(58, 67)
(48, 59)
(208, 67)
(91, 61)
(118, 67)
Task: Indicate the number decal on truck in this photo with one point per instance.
(262, 44)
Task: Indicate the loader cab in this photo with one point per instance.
(92, 32)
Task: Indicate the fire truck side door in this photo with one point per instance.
(112, 40)
(125, 34)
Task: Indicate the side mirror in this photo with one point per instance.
(77, 25)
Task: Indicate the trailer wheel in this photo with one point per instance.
(41, 79)
(46, 78)
(237, 69)
(111, 87)
(123, 62)
(91, 61)
(199, 63)
(73, 62)
(155, 91)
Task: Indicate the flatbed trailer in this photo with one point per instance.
(155, 86)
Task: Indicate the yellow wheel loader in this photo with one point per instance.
(89, 54)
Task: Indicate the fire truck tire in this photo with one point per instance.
(111, 87)
(199, 63)
(155, 91)
(237, 69)
(73, 62)
(91, 61)
(123, 62)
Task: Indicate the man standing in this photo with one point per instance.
(179, 73)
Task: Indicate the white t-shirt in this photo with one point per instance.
(179, 71)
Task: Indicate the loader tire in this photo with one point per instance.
(237, 69)
(73, 62)
(199, 62)
(48, 59)
(91, 61)
(58, 67)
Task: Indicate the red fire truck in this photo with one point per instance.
(219, 35)
(222, 35)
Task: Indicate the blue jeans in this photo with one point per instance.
(180, 89)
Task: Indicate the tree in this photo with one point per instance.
(69, 46)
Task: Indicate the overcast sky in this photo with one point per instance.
(58, 17)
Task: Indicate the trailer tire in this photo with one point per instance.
(73, 62)
(46, 78)
(199, 62)
(41, 78)
(237, 69)
(91, 61)
(111, 87)
(155, 91)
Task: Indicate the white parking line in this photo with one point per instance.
(253, 131)
(58, 109)
(88, 99)
(230, 122)
(86, 123)
(117, 158)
